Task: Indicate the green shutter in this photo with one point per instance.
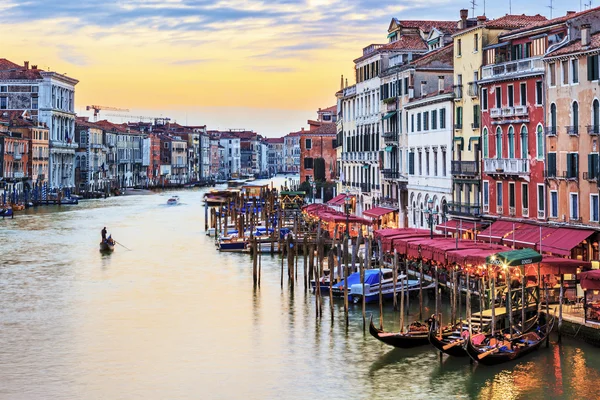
(592, 161)
(569, 164)
(552, 164)
(411, 163)
(575, 165)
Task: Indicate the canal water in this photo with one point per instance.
(172, 318)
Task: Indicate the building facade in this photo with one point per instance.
(275, 155)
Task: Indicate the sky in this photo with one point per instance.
(261, 65)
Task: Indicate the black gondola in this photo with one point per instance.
(406, 340)
(452, 344)
(498, 350)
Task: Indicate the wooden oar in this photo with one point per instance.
(487, 353)
(451, 345)
(122, 245)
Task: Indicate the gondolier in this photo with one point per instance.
(103, 233)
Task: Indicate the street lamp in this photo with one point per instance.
(314, 190)
(347, 204)
(430, 214)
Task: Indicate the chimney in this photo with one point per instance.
(585, 35)
(481, 19)
(26, 65)
(570, 13)
(441, 84)
(34, 67)
(464, 14)
(346, 82)
(342, 82)
(423, 88)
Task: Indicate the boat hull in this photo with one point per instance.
(106, 247)
(237, 246)
(399, 340)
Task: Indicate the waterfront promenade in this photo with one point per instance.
(173, 318)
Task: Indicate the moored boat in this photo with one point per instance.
(452, 344)
(6, 212)
(231, 244)
(416, 335)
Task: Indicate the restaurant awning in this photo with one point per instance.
(555, 266)
(453, 225)
(377, 212)
(514, 258)
(497, 231)
(338, 200)
(389, 115)
(590, 279)
(527, 235)
(563, 240)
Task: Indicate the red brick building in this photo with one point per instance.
(153, 172)
(318, 146)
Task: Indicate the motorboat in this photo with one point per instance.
(173, 201)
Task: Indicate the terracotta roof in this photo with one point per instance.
(6, 64)
(408, 42)
(296, 133)
(109, 126)
(554, 21)
(575, 46)
(324, 129)
(426, 25)
(442, 57)
(275, 140)
(332, 109)
(82, 121)
(515, 21)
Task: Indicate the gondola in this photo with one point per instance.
(452, 344)
(107, 245)
(417, 335)
(500, 349)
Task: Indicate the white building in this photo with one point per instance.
(430, 136)
(231, 154)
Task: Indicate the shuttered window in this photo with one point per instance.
(551, 164)
(592, 68)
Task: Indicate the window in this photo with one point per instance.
(406, 85)
(442, 118)
(476, 43)
(574, 70)
(572, 166)
(511, 95)
(523, 93)
(511, 195)
(427, 162)
(592, 68)
(485, 143)
(476, 116)
(486, 193)
(459, 47)
(524, 144)
(34, 103)
(525, 197)
(575, 117)
(426, 121)
(498, 97)
(498, 142)
(308, 143)
(484, 99)
(411, 163)
(435, 163)
(420, 163)
(553, 204)
(308, 163)
(592, 166)
(538, 93)
(412, 122)
(565, 72)
(511, 142)
(444, 163)
(551, 165)
(418, 122)
(574, 206)
(552, 74)
(3, 89)
(434, 119)
(541, 201)
(459, 115)
(499, 194)
(553, 117)
(594, 207)
(3, 103)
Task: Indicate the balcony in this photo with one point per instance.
(458, 92)
(530, 65)
(365, 188)
(508, 111)
(390, 104)
(521, 111)
(390, 137)
(474, 125)
(590, 177)
(178, 165)
(550, 174)
(18, 175)
(464, 209)
(550, 131)
(506, 166)
(512, 211)
(468, 168)
(593, 130)
(390, 174)
(495, 112)
(473, 89)
(572, 130)
(525, 212)
(371, 48)
(17, 156)
(458, 126)
(389, 203)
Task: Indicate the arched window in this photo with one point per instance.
(524, 143)
(511, 142)
(553, 118)
(540, 142)
(575, 118)
(498, 142)
(485, 143)
(414, 216)
(596, 116)
(422, 215)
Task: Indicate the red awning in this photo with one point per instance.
(387, 236)
(453, 225)
(497, 231)
(563, 240)
(527, 235)
(556, 266)
(400, 244)
(338, 200)
(377, 212)
(590, 279)
(474, 256)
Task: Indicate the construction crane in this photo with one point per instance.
(98, 108)
(131, 117)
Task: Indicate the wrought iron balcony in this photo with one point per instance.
(464, 209)
(495, 112)
(365, 188)
(573, 130)
(593, 130)
(473, 89)
(390, 137)
(458, 92)
(469, 168)
(506, 166)
(550, 131)
(390, 174)
(512, 68)
(521, 111)
(590, 177)
(458, 125)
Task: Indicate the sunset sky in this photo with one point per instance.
(261, 65)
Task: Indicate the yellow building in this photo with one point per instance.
(476, 34)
